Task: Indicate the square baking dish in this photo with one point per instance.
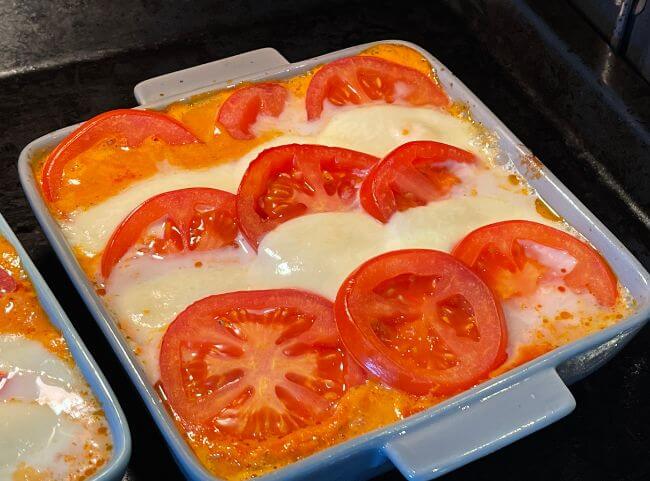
(115, 468)
(473, 423)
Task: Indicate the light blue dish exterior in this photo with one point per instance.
(444, 437)
(115, 468)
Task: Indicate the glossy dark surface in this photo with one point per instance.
(559, 94)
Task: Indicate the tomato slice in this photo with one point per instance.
(128, 127)
(412, 175)
(240, 111)
(292, 180)
(362, 79)
(510, 257)
(187, 219)
(7, 282)
(421, 321)
(254, 364)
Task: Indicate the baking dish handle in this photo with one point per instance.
(207, 74)
(478, 428)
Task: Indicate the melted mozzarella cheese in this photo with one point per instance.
(525, 315)
(557, 261)
(31, 433)
(139, 284)
(146, 293)
(34, 373)
(36, 436)
(378, 129)
(316, 252)
(41, 410)
(440, 225)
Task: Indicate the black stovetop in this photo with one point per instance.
(86, 57)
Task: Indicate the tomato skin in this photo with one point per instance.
(240, 111)
(406, 164)
(357, 308)
(591, 273)
(362, 79)
(131, 125)
(222, 321)
(179, 206)
(7, 282)
(309, 178)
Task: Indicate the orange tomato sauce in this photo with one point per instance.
(362, 409)
(21, 312)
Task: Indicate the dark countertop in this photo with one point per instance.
(607, 437)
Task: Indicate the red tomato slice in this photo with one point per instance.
(421, 321)
(254, 364)
(187, 219)
(7, 282)
(412, 175)
(292, 180)
(240, 111)
(362, 79)
(128, 126)
(497, 254)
